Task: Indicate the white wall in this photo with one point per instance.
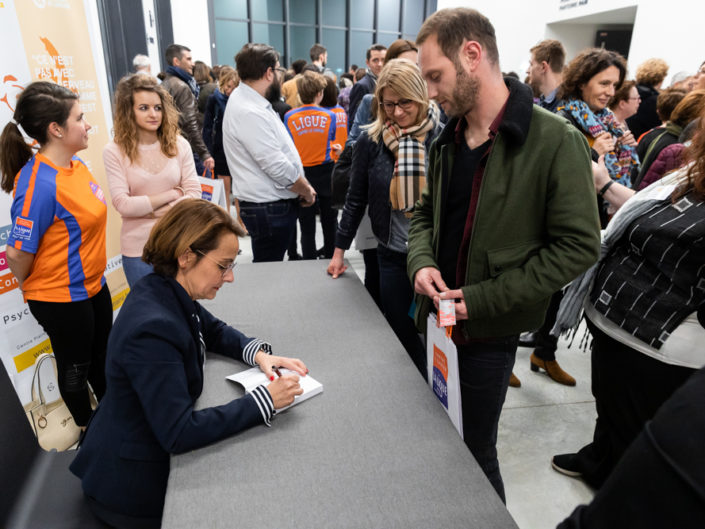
(671, 31)
(190, 22)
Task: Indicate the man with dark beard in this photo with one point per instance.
(507, 217)
(268, 176)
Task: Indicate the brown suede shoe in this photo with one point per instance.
(514, 381)
(552, 369)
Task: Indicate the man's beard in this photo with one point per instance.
(274, 91)
(464, 94)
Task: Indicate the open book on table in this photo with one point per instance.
(251, 378)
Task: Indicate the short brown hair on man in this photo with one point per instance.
(652, 72)
(308, 85)
(550, 51)
(192, 223)
(316, 51)
(253, 61)
(452, 27)
(668, 100)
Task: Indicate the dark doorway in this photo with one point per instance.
(124, 36)
(614, 40)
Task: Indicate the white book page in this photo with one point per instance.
(251, 378)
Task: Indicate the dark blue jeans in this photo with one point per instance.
(271, 225)
(396, 296)
(484, 369)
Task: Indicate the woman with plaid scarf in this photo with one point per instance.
(388, 174)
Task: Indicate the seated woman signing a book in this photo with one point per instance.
(154, 369)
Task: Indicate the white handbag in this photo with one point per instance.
(51, 422)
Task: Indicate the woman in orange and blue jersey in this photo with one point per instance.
(56, 249)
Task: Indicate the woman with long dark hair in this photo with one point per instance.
(56, 248)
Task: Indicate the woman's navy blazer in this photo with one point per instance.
(154, 372)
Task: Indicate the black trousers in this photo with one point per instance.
(660, 480)
(628, 387)
(319, 178)
(78, 331)
(484, 369)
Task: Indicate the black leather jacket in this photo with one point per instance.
(370, 178)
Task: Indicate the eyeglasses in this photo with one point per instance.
(224, 269)
(390, 106)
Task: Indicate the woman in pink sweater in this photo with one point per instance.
(149, 165)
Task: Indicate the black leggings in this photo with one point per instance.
(78, 331)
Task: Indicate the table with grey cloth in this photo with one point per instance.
(374, 450)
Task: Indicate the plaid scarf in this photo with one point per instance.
(407, 145)
(619, 162)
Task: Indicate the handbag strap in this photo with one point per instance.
(36, 378)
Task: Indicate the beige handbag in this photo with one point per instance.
(52, 422)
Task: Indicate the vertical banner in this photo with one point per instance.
(50, 40)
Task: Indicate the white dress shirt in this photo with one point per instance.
(261, 155)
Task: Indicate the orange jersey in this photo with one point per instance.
(313, 130)
(59, 215)
(341, 128)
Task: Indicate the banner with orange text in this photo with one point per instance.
(57, 41)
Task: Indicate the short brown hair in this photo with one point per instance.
(652, 72)
(586, 65)
(308, 84)
(622, 94)
(667, 100)
(689, 108)
(253, 61)
(550, 51)
(398, 47)
(316, 51)
(192, 223)
(454, 26)
(374, 47)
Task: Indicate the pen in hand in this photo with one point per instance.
(276, 370)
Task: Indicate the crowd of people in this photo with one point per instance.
(461, 184)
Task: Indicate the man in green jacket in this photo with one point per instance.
(508, 216)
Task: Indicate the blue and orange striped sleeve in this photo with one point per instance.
(33, 207)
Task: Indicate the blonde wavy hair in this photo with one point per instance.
(124, 124)
(403, 77)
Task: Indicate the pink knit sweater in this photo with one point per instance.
(131, 184)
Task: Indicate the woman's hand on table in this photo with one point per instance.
(336, 266)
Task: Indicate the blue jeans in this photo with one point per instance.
(271, 225)
(396, 296)
(484, 369)
(135, 269)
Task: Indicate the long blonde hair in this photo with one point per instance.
(404, 77)
(125, 126)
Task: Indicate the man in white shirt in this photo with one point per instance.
(268, 176)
